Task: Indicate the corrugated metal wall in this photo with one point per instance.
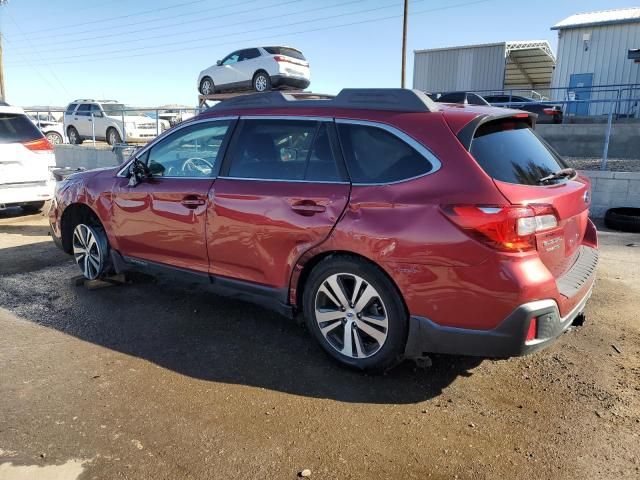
(466, 68)
(606, 58)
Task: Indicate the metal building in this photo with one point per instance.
(593, 50)
(496, 66)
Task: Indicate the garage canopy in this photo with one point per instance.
(529, 64)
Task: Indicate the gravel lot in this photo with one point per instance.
(161, 380)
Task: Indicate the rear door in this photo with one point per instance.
(516, 158)
(20, 161)
(282, 188)
(163, 219)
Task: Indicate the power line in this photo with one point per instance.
(331, 27)
(180, 24)
(102, 20)
(144, 22)
(210, 37)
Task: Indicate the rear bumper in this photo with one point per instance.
(20, 193)
(508, 339)
(287, 81)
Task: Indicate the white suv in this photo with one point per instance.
(259, 68)
(26, 161)
(104, 118)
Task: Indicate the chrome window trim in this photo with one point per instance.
(166, 133)
(284, 180)
(412, 142)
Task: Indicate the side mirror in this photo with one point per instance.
(138, 171)
(219, 62)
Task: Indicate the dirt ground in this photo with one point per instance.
(163, 380)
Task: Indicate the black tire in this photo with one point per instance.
(113, 136)
(261, 81)
(74, 136)
(33, 207)
(387, 301)
(91, 270)
(207, 87)
(625, 219)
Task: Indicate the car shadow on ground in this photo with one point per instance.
(185, 328)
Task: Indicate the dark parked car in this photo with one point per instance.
(394, 224)
(547, 112)
(465, 98)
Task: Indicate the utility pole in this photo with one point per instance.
(2, 93)
(404, 41)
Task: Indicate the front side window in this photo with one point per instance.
(375, 155)
(71, 108)
(231, 59)
(189, 152)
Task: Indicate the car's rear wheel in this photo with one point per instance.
(355, 313)
(113, 136)
(54, 138)
(207, 87)
(261, 82)
(74, 136)
(90, 250)
(32, 207)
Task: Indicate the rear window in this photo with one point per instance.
(289, 52)
(512, 152)
(17, 128)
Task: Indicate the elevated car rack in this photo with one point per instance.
(391, 99)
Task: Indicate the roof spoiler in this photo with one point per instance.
(391, 99)
(466, 134)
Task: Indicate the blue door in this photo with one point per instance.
(579, 89)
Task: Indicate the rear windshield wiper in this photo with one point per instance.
(564, 173)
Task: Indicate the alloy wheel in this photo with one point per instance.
(206, 87)
(351, 315)
(73, 136)
(87, 251)
(261, 83)
(54, 138)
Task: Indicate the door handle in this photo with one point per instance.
(192, 202)
(308, 208)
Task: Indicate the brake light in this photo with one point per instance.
(281, 59)
(533, 330)
(510, 228)
(40, 145)
(551, 111)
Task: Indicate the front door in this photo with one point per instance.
(281, 190)
(580, 89)
(163, 218)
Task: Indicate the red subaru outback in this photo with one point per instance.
(397, 226)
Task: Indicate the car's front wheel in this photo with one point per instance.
(356, 314)
(261, 82)
(90, 250)
(206, 86)
(113, 136)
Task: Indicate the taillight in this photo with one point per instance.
(551, 111)
(509, 228)
(532, 332)
(281, 59)
(40, 145)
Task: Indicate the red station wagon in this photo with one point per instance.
(395, 225)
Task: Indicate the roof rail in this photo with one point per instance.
(392, 99)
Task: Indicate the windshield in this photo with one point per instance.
(511, 152)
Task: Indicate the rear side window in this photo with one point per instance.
(71, 108)
(283, 150)
(249, 54)
(17, 128)
(512, 152)
(289, 52)
(374, 155)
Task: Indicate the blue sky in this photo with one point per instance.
(60, 50)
